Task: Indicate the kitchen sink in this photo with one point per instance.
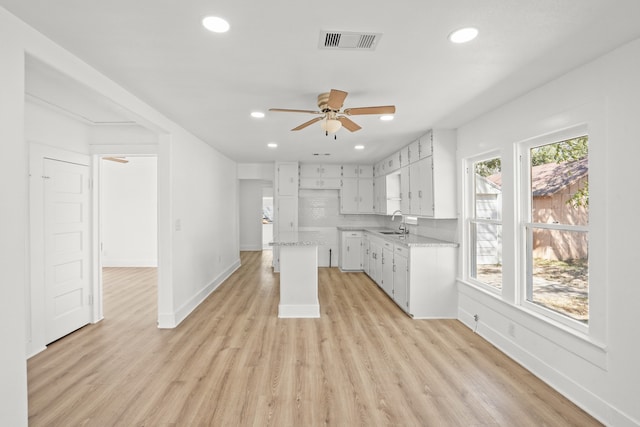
(391, 232)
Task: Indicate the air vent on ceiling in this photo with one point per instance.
(348, 40)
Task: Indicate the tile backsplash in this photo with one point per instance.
(318, 209)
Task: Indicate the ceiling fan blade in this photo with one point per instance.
(336, 99)
(286, 110)
(349, 124)
(386, 109)
(116, 159)
(310, 122)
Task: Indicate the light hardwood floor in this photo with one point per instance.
(234, 363)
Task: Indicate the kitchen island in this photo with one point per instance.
(298, 274)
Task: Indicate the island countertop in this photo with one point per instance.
(298, 238)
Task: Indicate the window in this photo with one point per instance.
(485, 223)
(555, 230)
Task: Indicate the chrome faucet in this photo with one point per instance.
(403, 224)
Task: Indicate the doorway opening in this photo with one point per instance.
(129, 233)
(267, 217)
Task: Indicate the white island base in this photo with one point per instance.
(299, 282)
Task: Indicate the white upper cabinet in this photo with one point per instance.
(365, 171)
(310, 170)
(414, 151)
(425, 145)
(392, 163)
(287, 179)
(404, 156)
(356, 196)
(428, 176)
(319, 176)
(357, 171)
(356, 190)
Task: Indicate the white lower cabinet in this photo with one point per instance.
(419, 279)
(375, 259)
(401, 276)
(351, 251)
(386, 281)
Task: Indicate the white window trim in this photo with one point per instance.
(469, 216)
(524, 228)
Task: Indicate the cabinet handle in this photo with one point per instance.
(420, 194)
(348, 249)
(409, 194)
(394, 268)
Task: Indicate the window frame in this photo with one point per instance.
(526, 227)
(471, 221)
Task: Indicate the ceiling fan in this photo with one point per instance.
(332, 116)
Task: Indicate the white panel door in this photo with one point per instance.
(67, 255)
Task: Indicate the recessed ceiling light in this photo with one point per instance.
(463, 35)
(272, 145)
(215, 24)
(359, 147)
(257, 114)
(386, 118)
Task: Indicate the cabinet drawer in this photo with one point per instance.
(352, 233)
(401, 250)
(388, 245)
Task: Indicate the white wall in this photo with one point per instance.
(197, 185)
(129, 216)
(599, 372)
(251, 215)
(13, 229)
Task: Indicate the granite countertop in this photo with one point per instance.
(299, 238)
(409, 240)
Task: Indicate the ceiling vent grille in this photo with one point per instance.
(348, 40)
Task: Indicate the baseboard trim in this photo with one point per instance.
(187, 308)
(299, 311)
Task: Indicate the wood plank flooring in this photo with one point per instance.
(234, 363)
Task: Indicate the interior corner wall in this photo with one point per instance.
(607, 385)
(250, 214)
(13, 228)
(129, 206)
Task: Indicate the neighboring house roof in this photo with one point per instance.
(550, 178)
(484, 185)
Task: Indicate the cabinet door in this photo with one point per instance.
(349, 196)
(331, 171)
(350, 171)
(365, 256)
(365, 171)
(375, 259)
(310, 170)
(405, 189)
(287, 215)
(288, 179)
(415, 186)
(400, 282)
(426, 145)
(426, 189)
(387, 270)
(380, 194)
(414, 151)
(352, 255)
(365, 195)
(404, 156)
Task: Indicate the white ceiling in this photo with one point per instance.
(209, 83)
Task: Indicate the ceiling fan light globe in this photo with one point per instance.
(331, 125)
